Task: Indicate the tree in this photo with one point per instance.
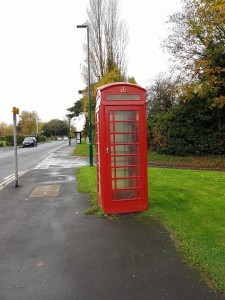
(55, 127)
(197, 45)
(161, 95)
(108, 38)
(27, 123)
(3, 129)
(81, 106)
(109, 77)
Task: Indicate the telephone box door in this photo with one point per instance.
(128, 189)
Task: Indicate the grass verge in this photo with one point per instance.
(83, 150)
(192, 205)
(87, 185)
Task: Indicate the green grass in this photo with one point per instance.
(88, 185)
(192, 205)
(83, 150)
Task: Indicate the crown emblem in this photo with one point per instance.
(123, 89)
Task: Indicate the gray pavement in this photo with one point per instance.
(49, 248)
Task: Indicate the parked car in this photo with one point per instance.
(29, 142)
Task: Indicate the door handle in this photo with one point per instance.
(107, 150)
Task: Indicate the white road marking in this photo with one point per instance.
(10, 178)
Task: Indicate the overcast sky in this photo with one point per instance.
(41, 51)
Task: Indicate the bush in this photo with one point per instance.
(190, 128)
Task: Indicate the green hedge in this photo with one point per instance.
(190, 128)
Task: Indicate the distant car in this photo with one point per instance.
(65, 138)
(29, 142)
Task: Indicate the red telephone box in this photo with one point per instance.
(121, 146)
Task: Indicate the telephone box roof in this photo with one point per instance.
(105, 86)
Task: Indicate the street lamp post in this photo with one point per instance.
(89, 94)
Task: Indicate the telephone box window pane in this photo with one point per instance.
(125, 183)
(125, 127)
(125, 160)
(138, 171)
(114, 195)
(138, 182)
(123, 115)
(137, 126)
(111, 127)
(123, 138)
(112, 138)
(113, 184)
(126, 172)
(137, 138)
(137, 115)
(127, 149)
(126, 194)
(111, 115)
(112, 150)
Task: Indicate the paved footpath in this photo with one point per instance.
(51, 250)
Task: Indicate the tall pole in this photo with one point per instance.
(15, 112)
(89, 95)
(36, 123)
(89, 101)
(69, 132)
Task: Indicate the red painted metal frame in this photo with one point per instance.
(127, 192)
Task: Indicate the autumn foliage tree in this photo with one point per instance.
(197, 43)
(5, 129)
(27, 123)
(196, 124)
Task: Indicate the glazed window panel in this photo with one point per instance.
(126, 172)
(123, 138)
(125, 127)
(125, 160)
(123, 115)
(126, 194)
(125, 183)
(127, 149)
(111, 116)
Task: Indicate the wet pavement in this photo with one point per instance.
(49, 248)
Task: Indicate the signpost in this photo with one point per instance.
(15, 112)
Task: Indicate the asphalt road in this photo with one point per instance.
(28, 158)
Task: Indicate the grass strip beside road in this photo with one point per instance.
(192, 205)
(83, 150)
